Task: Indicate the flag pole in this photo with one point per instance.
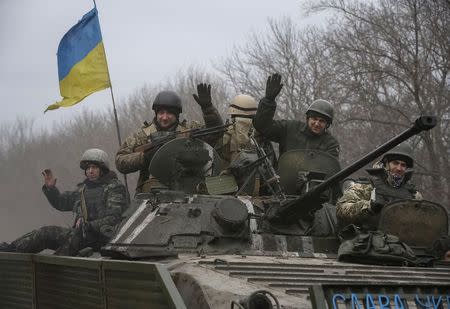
(113, 101)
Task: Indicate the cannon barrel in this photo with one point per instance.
(303, 206)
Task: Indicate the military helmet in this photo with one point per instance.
(323, 108)
(242, 105)
(94, 156)
(168, 100)
(401, 152)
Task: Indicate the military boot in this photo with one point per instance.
(6, 247)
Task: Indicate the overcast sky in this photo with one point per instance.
(146, 42)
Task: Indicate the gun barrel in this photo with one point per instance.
(194, 133)
(302, 206)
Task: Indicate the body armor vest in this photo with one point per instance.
(94, 202)
(387, 193)
(300, 137)
(146, 181)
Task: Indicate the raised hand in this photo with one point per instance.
(203, 98)
(273, 86)
(49, 179)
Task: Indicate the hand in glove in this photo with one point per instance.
(273, 86)
(203, 98)
(376, 204)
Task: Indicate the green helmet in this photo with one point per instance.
(94, 156)
(401, 152)
(322, 108)
(169, 100)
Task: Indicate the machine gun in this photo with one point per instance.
(304, 206)
(193, 133)
(270, 176)
(246, 167)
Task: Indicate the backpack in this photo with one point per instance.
(376, 247)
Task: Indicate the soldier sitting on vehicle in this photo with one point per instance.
(167, 106)
(236, 139)
(237, 148)
(295, 134)
(98, 203)
(360, 207)
(389, 181)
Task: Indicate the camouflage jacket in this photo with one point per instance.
(354, 205)
(105, 214)
(236, 139)
(291, 134)
(129, 161)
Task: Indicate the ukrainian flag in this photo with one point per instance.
(82, 67)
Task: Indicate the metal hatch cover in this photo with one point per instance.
(183, 163)
(417, 223)
(304, 160)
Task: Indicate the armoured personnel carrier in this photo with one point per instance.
(238, 251)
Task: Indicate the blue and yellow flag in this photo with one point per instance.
(82, 67)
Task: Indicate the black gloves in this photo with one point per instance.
(204, 95)
(273, 86)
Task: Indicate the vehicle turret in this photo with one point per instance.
(305, 205)
(197, 249)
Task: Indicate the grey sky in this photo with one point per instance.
(145, 41)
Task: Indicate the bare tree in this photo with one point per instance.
(26, 151)
(185, 84)
(392, 57)
(298, 55)
(381, 63)
(303, 60)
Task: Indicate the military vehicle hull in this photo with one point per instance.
(300, 282)
(188, 250)
(192, 267)
(214, 281)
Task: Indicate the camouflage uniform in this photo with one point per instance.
(129, 161)
(105, 200)
(236, 139)
(354, 207)
(291, 134)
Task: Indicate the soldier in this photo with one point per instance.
(167, 106)
(295, 134)
(98, 203)
(237, 138)
(388, 181)
(236, 144)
